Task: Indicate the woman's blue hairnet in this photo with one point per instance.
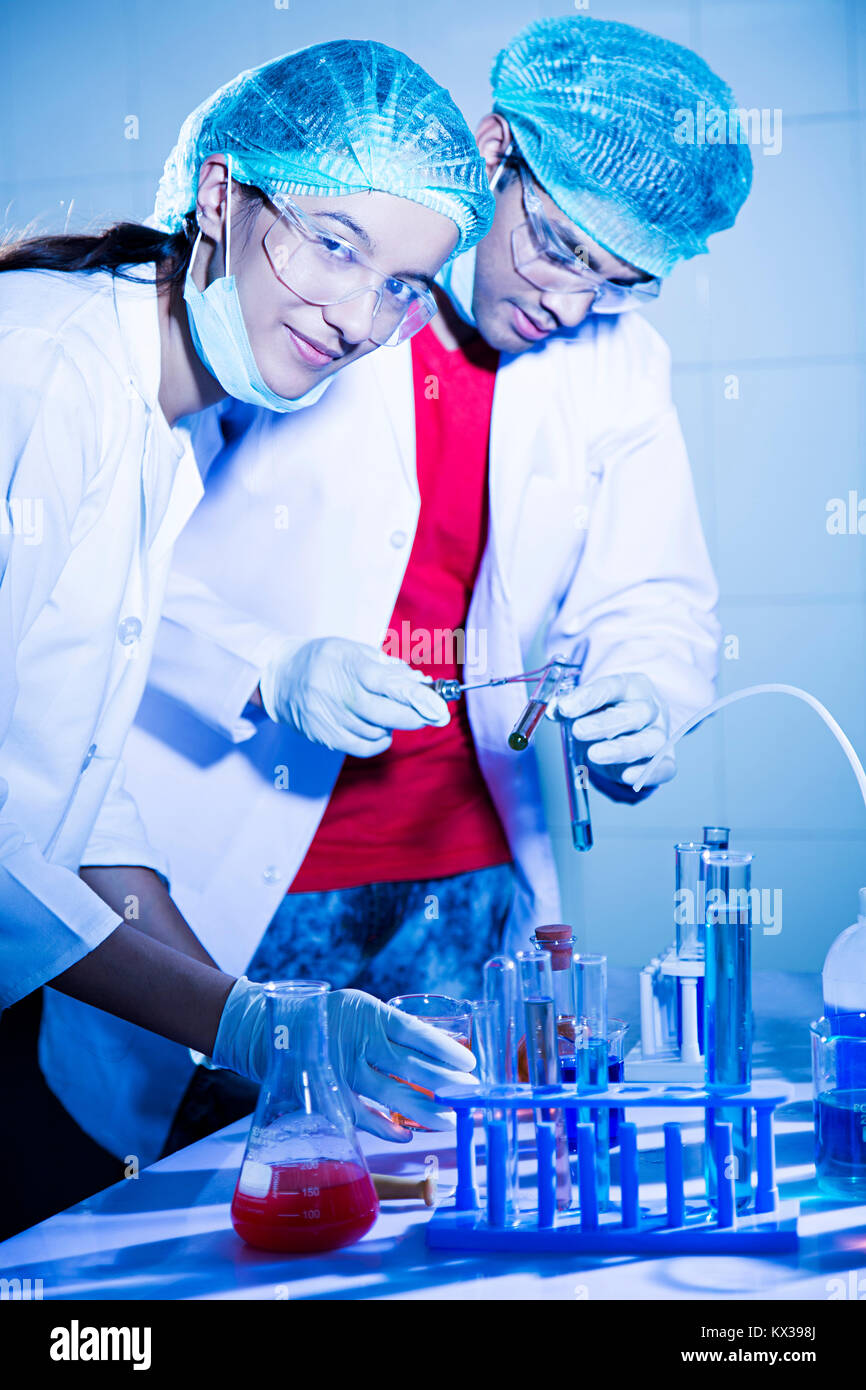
(596, 108)
(335, 118)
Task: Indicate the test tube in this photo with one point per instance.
(542, 1053)
(521, 735)
(500, 1063)
(590, 991)
(576, 779)
(728, 1010)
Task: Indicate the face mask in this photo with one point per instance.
(457, 279)
(219, 333)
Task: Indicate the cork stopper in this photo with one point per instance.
(558, 939)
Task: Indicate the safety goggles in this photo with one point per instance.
(324, 269)
(543, 258)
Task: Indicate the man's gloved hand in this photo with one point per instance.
(624, 722)
(348, 696)
(370, 1044)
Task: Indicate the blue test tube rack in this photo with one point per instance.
(673, 1225)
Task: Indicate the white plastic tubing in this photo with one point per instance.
(841, 738)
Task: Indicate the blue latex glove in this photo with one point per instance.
(348, 696)
(370, 1043)
(624, 722)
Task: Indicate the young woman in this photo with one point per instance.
(301, 218)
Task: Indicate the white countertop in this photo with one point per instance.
(167, 1234)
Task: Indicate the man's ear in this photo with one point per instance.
(493, 136)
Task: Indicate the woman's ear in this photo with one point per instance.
(211, 199)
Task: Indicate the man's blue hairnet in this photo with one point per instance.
(335, 118)
(596, 109)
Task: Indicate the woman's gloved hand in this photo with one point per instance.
(624, 722)
(348, 696)
(370, 1044)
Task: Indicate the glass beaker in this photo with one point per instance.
(453, 1016)
(304, 1185)
(839, 1075)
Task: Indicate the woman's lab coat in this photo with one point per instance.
(305, 531)
(96, 487)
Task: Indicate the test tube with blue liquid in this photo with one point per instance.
(542, 1054)
(728, 1010)
(590, 990)
(576, 780)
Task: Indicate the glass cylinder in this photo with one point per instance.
(500, 1022)
(689, 908)
(304, 1184)
(590, 992)
(839, 1077)
(535, 977)
(728, 1007)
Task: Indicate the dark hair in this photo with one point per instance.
(125, 244)
(122, 245)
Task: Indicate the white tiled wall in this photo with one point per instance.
(780, 303)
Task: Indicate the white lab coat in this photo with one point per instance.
(96, 488)
(305, 530)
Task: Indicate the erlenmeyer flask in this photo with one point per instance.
(304, 1184)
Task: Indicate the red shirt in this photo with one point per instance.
(422, 809)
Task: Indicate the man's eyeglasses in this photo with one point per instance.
(324, 269)
(547, 262)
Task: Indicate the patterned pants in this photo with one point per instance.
(429, 937)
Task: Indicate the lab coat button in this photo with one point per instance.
(271, 874)
(88, 757)
(128, 631)
(398, 539)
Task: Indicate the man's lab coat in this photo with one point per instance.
(305, 531)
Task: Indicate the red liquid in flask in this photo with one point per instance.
(308, 1208)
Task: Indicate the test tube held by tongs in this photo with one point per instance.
(521, 735)
(542, 1055)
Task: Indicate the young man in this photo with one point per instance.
(520, 465)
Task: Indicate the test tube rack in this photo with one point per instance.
(669, 1048)
(633, 1225)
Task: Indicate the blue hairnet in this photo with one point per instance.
(335, 118)
(595, 107)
